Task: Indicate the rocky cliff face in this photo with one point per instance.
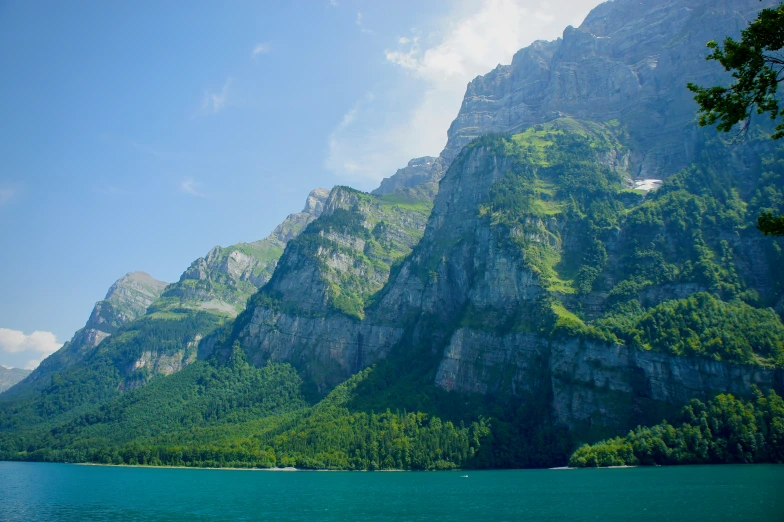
(521, 278)
(214, 289)
(225, 278)
(596, 388)
(127, 299)
(295, 223)
(310, 312)
(418, 172)
(629, 61)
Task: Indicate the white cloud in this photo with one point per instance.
(191, 186)
(260, 48)
(32, 364)
(5, 195)
(334, 3)
(216, 101)
(361, 24)
(37, 345)
(435, 66)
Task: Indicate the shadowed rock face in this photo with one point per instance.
(594, 385)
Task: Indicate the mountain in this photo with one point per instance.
(157, 328)
(225, 278)
(492, 307)
(630, 61)
(311, 309)
(126, 300)
(11, 376)
(536, 260)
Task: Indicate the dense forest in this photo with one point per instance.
(239, 416)
(726, 430)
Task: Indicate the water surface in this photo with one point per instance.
(62, 492)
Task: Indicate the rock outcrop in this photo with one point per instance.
(595, 387)
(629, 61)
(225, 278)
(295, 223)
(418, 172)
(127, 299)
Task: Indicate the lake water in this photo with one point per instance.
(62, 492)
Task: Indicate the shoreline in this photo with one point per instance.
(291, 469)
(288, 469)
(461, 470)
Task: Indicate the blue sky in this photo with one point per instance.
(138, 135)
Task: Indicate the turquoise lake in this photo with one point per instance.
(62, 492)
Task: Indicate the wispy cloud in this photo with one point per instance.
(341, 158)
(36, 346)
(260, 48)
(361, 24)
(435, 66)
(334, 3)
(6, 194)
(191, 187)
(216, 101)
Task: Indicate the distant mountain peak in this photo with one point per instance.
(11, 376)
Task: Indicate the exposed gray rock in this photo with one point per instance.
(418, 172)
(127, 299)
(629, 61)
(467, 294)
(225, 278)
(296, 223)
(594, 386)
